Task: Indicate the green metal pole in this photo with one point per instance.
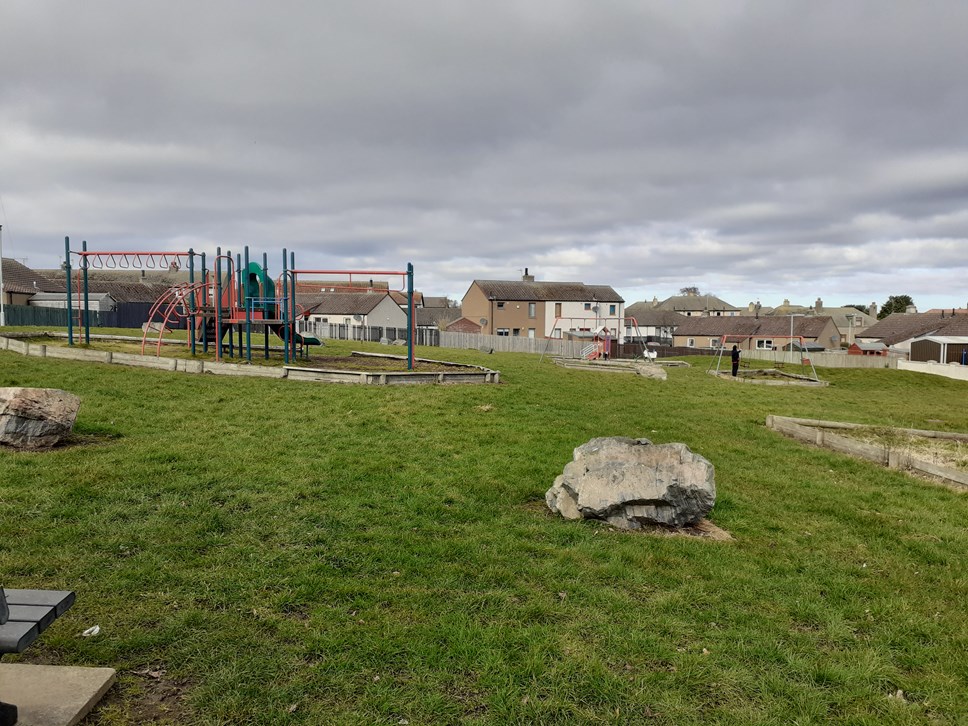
(191, 299)
(87, 314)
(285, 302)
(204, 305)
(228, 289)
(245, 301)
(410, 317)
(70, 298)
(218, 303)
(292, 268)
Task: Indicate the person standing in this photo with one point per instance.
(734, 356)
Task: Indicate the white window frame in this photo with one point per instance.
(764, 344)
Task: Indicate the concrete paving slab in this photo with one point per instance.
(53, 695)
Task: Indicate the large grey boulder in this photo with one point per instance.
(651, 370)
(36, 418)
(633, 482)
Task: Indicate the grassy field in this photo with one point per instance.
(260, 551)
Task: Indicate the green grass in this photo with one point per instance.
(299, 553)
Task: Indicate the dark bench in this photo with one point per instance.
(24, 615)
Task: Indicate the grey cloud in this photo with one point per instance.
(758, 148)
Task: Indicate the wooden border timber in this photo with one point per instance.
(821, 433)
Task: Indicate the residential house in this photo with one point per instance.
(20, 283)
(758, 333)
(874, 348)
(693, 305)
(948, 345)
(533, 309)
(645, 324)
(401, 298)
(436, 318)
(897, 330)
(463, 325)
(309, 286)
(354, 309)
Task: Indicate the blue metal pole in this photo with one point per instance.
(267, 311)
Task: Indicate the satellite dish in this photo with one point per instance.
(483, 321)
(357, 317)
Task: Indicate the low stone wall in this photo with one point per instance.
(461, 374)
(822, 434)
(948, 370)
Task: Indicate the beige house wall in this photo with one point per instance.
(509, 314)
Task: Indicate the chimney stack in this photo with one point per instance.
(872, 310)
(818, 306)
(526, 277)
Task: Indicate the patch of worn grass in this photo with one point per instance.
(326, 554)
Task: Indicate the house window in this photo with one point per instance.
(532, 309)
(764, 344)
(503, 331)
(500, 306)
(531, 332)
(557, 310)
(611, 309)
(516, 332)
(588, 306)
(714, 343)
(690, 342)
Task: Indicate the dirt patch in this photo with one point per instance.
(147, 695)
(703, 529)
(68, 442)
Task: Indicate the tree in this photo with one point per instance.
(894, 304)
(689, 291)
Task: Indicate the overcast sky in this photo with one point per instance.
(757, 150)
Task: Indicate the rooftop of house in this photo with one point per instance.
(437, 316)
(898, 327)
(647, 315)
(18, 278)
(527, 290)
(695, 303)
(341, 303)
(805, 327)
